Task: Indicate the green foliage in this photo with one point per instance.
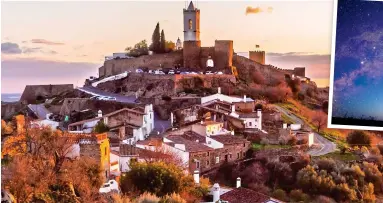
(359, 139)
(157, 178)
(139, 49)
(163, 41)
(298, 195)
(280, 194)
(156, 40)
(173, 198)
(101, 127)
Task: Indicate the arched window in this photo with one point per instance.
(190, 24)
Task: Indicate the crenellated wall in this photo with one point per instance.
(258, 56)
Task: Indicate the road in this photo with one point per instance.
(325, 145)
(159, 125)
(39, 110)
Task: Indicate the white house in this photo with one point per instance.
(46, 122)
(85, 126)
(221, 97)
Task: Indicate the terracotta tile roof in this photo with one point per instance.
(193, 136)
(210, 123)
(248, 115)
(190, 146)
(244, 195)
(229, 139)
(121, 110)
(151, 141)
(85, 121)
(139, 108)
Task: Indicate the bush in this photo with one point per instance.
(380, 147)
(258, 106)
(166, 98)
(264, 141)
(147, 198)
(280, 194)
(359, 139)
(158, 178)
(101, 127)
(301, 97)
(326, 164)
(173, 198)
(298, 195)
(292, 140)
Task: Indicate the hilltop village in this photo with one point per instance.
(192, 124)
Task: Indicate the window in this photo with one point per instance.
(237, 155)
(249, 123)
(207, 163)
(244, 144)
(230, 156)
(106, 151)
(208, 153)
(197, 164)
(244, 154)
(217, 160)
(190, 24)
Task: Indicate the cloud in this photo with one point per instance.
(46, 42)
(78, 47)
(31, 50)
(256, 10)
(10, 48)
(36, 71)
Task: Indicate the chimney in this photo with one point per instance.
(196, 177)
(244, 98)
(238, 182)
(197, 141)
(219, 90)
(171, 118)
(99, 113)
(285, 126)
(216, 191)
(201, 121)
(233, 108)
(259, 113)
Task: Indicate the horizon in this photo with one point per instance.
(62, 48)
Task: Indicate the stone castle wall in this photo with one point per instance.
(223, 54)
(116, 66)
(191, 54)
(257, 56)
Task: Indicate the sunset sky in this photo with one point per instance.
(65, 42)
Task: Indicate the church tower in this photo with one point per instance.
(191, 23)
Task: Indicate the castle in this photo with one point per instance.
(191, 55)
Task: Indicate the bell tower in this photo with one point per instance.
(191, 23)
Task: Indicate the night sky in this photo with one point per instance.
(358, 72)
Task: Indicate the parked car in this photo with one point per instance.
(110, 186)
(219, 73)
(139, 71)
(151, 71)
(193, 73)
(209, 72)
(111, 98)
(92, 78)
(184, 73)
(159, 72)
(171, 72)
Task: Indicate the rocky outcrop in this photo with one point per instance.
(80, 104)
(32, 93)
(149, 85)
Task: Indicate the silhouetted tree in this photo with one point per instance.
(163, 41)
(358, 138)
(156, 40)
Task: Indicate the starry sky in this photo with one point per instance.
(358, 70)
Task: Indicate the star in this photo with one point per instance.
(374, 47)
(362, 62)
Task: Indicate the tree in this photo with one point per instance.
(280, 194)
(41, 171)
(358, 138)
(101, 127)
(158, 178)
(156, 40)
(139, 49)
(298, 196)
(163, 42)
(170, 46)
(319, 119)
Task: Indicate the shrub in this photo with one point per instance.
(258, 106)
(147, 198)
(359, 139)
(326, 164)
(280, 194)
(173, 198)
(298, 195)
(264, 141)
(301, 97)
(380, 147)
(292, 140)
(101, 127)
(166, 98)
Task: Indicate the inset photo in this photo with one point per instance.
(356, 84)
